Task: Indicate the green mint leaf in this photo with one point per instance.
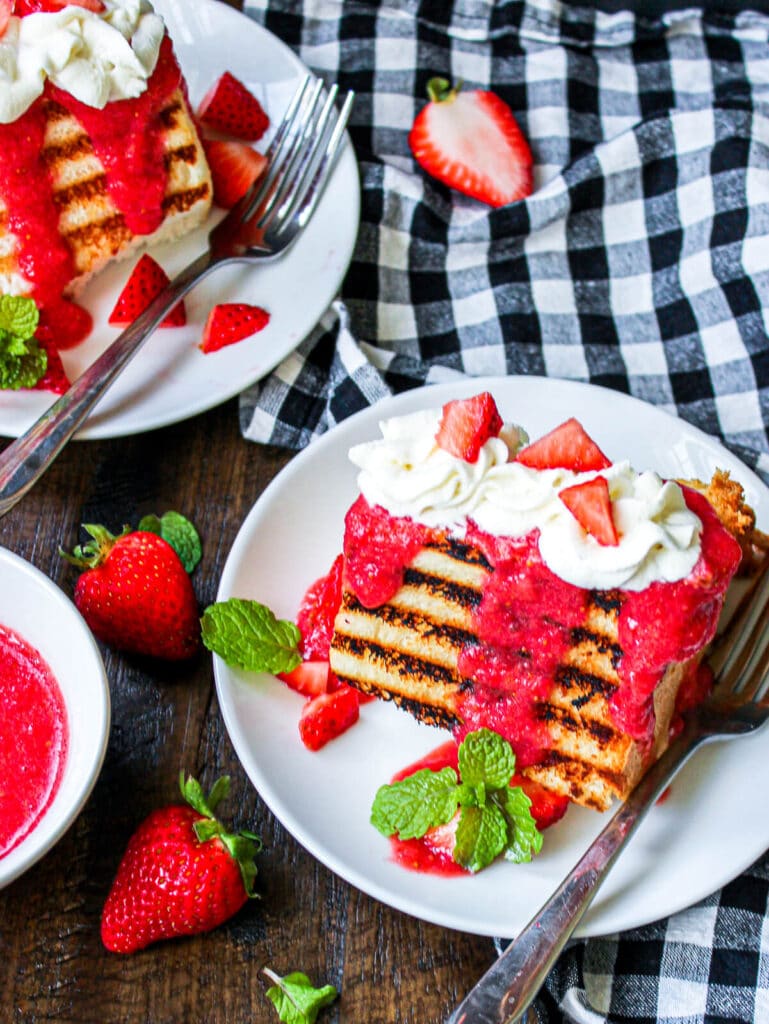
(18, 315)
(296, 999)
(524, 838)
(482, 834)
(415, 804)
(179, 532)
(484, 756)
(247, 635)
(471, 796)
(22, 362)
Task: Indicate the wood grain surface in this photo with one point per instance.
(390, 968)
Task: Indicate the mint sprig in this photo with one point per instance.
(177, 531)
(494, 818)
(247, 635)
(22, 361)
(296, 999)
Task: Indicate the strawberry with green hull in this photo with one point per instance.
(470, 140)
(135, 591)
(182, 873)
(231, 108)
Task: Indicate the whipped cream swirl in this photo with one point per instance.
(409, 475)
(96, 58)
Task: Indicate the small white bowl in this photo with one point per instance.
(35, 608)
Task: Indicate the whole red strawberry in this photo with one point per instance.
(182, 873)
(135, 593)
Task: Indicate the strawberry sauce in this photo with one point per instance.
(33, 738)
(527, 616)
(127, 137)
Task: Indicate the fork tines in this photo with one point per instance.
(300, 157)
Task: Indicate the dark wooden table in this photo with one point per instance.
(390, 968)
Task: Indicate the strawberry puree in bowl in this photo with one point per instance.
(54, 720)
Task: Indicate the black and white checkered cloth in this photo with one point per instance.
(640, 262)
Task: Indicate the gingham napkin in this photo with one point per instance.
(641, 262)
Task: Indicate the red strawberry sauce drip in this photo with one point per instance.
(526, 608)
(127, 137)
(33, 738)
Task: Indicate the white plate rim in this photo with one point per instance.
(615, 909)
(195, 383)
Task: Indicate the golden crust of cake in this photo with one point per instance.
(407, 651)
(93, 227)
(728, 499)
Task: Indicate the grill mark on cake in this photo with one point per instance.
(437, 586)
(74, 148)
(81, 192)
(460, 552)
(606, 600)
(602, 643)
(179, 202)
(430, 714)
(403, 663)
(418, 622)
(550, 714)
(168, 115)
(113, 227)
(574, 772)
(181, 155)
(589, 685)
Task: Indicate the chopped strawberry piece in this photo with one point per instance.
(471, 142)
(590, 504)
(546, 807)
(328, 716)
(6, 10)
(230, 107)
(24, 7)
(467, 424)
(311, 678)
(235, 166)
(318, 611)
(63, 324)
(568, 446)
(147, 280)
(230, 322)
(55, 378)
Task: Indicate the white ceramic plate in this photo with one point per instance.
(33, 606)
(171, 379)
(715, 821)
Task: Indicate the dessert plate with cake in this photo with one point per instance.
(168, 202)
(613, 628)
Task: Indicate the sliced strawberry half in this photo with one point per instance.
(590, 504)
(230, 322)
(147, 280)
(467, 424)
(6, 10)
(24, 7)
(235, 166)
(328, 716)
(471, 142)
(230, 107)
(546, 807)
(311, 678)
(568, 446)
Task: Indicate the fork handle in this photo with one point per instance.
(25, 460)
(509, 987)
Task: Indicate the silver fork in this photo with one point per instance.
(737, 707)
(262, 225)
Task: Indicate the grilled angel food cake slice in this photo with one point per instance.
(99, 152)
(480, 632)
